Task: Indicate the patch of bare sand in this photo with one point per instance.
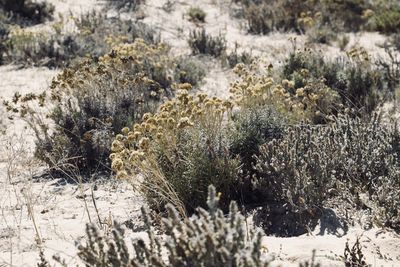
(75, 7)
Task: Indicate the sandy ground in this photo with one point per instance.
(57, 212)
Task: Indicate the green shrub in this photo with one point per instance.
(389, 67)
(39, 49)
(385, 17)
(321, 34)
(395, 41)
(202, 43)
(197, 14)
(250, 129)
(213, 238)
(321, 18)
(386, 198)
(189, 70)
(201, 162)
(267, 16)
(253, 127)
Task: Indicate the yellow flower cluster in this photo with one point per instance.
(307, 20)
(163, 130)
(161, 133)
(25, 39)
(113, 41)
(126, 65)
(254, 89)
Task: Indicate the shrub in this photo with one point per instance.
(250, 129)
(343, 41)
(253, 127)
(213, 238)
(202, 43)
(301, 169)
(38, 48)
(266, 16)
(389, 68)
(395, 41)
(179, 151)
(385, 17)
(92, 101)
(314, 100)
(387, 201)
(4, 30)
(355, 79)
(354, 257)
(197, 14)
(189, 70)
(321, 19)
(26, 11)
(235, 57)
(57, 49)
(125, 4)
(318, 33)
(94, 27)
